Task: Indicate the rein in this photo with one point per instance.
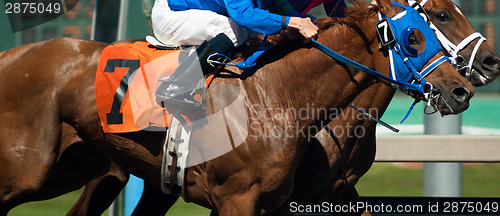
(423, 87)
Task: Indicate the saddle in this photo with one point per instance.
(126, 81)
(125, 85)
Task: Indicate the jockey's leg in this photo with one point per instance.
(183, 82)
(216, 33)
(193, 27)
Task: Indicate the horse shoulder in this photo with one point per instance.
(16, 53)
(80, 46)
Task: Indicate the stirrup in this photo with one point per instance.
(189, 107)
(175, 156)
(181, 100)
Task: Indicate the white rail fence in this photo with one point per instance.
(438, 148)
(445, 150)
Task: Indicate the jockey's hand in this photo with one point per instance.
(304, 25)
(285, 35)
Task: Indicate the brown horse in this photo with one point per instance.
(320, 178)
(332, 176)
(53, 168)
(56, 173)
(486, 62)
(72, 120)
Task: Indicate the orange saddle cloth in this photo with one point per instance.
(125, 85)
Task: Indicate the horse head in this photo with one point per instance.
(473, 56)
(445, 89)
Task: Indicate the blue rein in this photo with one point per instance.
(421, 86)
(402, 85)
(249, 64)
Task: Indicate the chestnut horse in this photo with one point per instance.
(53, 168)
(332, 176)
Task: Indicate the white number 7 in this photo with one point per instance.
(384, 26)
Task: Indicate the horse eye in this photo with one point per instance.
(442, 16)
(412, 39)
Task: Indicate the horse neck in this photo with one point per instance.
(308, 80)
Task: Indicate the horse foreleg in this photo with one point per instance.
(242, 203)
(347, 193)
(100, 192)
(154, 202)
(350, 197)
(28, 150)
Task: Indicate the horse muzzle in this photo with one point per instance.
(451, 102)
(485, 68)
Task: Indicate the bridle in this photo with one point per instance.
(453, 50)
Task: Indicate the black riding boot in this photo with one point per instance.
(189, 77)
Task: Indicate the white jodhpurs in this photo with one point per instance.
(192, 27)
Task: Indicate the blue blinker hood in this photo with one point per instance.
(405, 62)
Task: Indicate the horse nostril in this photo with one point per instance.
(492, 62)
(460, 94)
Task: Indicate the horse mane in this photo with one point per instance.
(358, 12)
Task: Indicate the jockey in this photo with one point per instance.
(217, 26)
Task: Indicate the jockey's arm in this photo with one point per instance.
(265, 22)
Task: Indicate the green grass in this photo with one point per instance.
(57, 206)
(182, 208)
(383, 179)
(61, 205)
